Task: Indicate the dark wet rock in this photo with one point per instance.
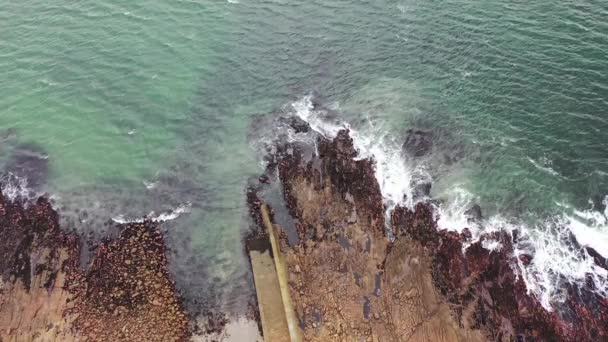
(454, 154)
(31, 162)
(418, 223)
(526, 259)
(597, 258)
(344, 242)
(297, 124)
(422, 190)
(418, 143)
(23, 231)
(515, 235)
(264, 179)
(474, 213)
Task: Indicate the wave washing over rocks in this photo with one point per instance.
(562, 249)
(356, 210)
(125, 292)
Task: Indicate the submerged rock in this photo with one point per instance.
(422, 190)
(418, 143)
(297, 124)
(474, 213)
(597, 258)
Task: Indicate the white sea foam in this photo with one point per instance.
(544, 165)
(591, 229)
(451, 215)
(150, 185)
(16, 188)
(152, 216)
(555, 259)
(392, 174)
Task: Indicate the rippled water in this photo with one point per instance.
(153, 107)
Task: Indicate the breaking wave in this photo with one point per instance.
(152, 216)
(17, 188)
(557, 257)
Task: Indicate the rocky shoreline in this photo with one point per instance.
(126, 294)
(349, 277)
(351, 281)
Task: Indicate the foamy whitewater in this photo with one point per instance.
(152, 216)
(16, 188)
(555, 258)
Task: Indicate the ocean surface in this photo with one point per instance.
(161, 109)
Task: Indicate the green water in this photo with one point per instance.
(119, 93)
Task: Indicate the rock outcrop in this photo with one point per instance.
(125, 295)
(350, 282)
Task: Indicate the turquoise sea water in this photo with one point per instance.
(144, 107)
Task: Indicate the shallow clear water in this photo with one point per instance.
(121, 95)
